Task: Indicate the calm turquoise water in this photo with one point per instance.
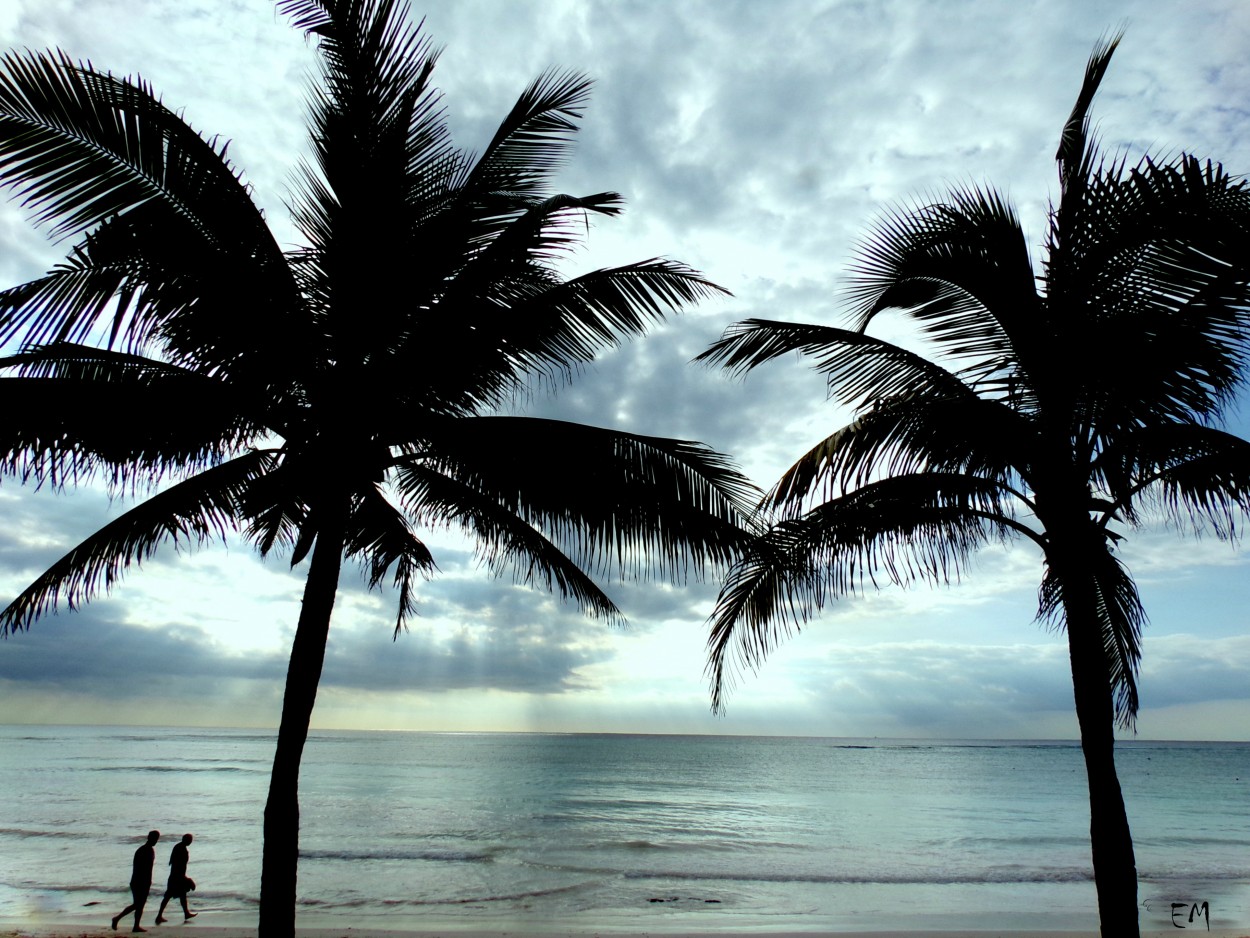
(521, 831)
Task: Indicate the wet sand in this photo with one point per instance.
(193, 930)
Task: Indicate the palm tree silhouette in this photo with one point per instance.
(333, 399)
(1054, 407)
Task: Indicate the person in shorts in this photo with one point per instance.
(140, 880)
(179, 883)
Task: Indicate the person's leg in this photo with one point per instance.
(141, 898)
(186, 913)
(121, 915)
(160, 913)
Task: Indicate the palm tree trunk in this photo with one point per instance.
(281, 847)
(1115, 868)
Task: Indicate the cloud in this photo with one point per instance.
(41, 526)
(934, 689)
(521, 657)
(757, 142)
(95, 651)
(1191, 669)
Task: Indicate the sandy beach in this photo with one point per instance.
(10, 930)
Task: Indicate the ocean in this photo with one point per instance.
(530, 832)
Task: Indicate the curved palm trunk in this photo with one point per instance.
(1115, 867)
(281, 847)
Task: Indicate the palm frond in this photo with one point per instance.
(273, 511)
(371, 55)
(58, 429)
(195, 511)
(1198, 476)
(911, 434)
(1076, 150)
(540, 234)
(475, 309)
(380, 536)
(146, 278)
(505, 541)
(66, 305)
(534, 139)
(510, 332)
(1077, 158)
(862, 371)
(378, 129)
(311, 17)
(1163, 271)
(905, 527)
(234, 303)
(565, 324)
(961, 269)
(156, 202)
(768, 594)
(618, 503)
(86, 146)
(1120, 617)
(379, 138)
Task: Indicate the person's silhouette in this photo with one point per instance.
(179, 883)
(140, 880)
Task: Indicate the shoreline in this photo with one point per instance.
(13, 929)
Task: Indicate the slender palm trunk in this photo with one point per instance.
(281, 848)
(1115, 868)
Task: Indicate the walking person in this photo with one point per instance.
(140, 880)
(179, 883)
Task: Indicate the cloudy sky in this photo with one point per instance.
(755, 140)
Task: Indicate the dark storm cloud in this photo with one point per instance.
(95, 650)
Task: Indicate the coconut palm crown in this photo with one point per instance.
(334, 400)
(1060, 406)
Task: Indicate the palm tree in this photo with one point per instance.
(1056, 407)
(333, 399)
